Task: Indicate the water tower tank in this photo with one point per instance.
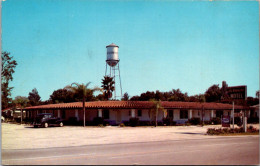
(112, 55)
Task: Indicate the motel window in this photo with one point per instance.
(184, 114)
(139, 112)
(106, 114)
(170, 113)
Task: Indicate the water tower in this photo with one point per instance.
(113, 63)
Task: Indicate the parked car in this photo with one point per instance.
(46, 120)
(2, 119)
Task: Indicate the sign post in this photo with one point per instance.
(233, 115)
(245, 123)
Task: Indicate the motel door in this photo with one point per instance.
(118, 117)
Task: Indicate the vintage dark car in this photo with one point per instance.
(47, 119)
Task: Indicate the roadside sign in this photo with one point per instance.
(225, 121)
(237, 92)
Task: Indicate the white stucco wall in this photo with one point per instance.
(119, 115)
(196, 114)
(145, 115)
(176, 114)
(207, 114)
(125, 114)
(112, 114)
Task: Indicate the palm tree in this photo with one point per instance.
(82, 90)
(108, 86)
(153, 113)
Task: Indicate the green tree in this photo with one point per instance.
(224, 92)
(21, 101)
(250, 101)
(177, 95)
(34, 97)
(108, 86)
(8, 66)
(135, 98)
(200, 98)
(257, 94)
(62, 96)
(99, 97)
(81, 90)
(213, 94)
(148, 96)
(125, 97)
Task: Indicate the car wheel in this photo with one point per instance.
(35, 126)
(46, 125)
(61, 124)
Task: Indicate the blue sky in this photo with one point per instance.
(163, 45)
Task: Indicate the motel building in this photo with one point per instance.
(116, 112)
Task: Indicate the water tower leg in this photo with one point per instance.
(106, 70)
(110, 72)
(114, 77)
(119, 80)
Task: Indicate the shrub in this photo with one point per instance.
(152, 123)
(126, 123)
(160, 123)
(187, 123)
(144, 123)
(133, 122)
(106, 123)
(252, 129)
(100, 125)
(167, 121)
(216, 120)
(207, 122)
(98, 121)
(121, 125)
(194, 121)
(213, 131)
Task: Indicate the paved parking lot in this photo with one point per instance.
(15, 136)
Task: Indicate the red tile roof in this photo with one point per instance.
(198, 105)
(11, 108)
(137, 105)
(57, 106)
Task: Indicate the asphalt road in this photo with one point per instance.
(223, 150)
